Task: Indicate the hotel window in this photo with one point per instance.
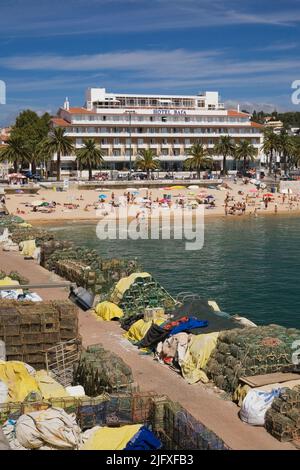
(175, 141)
(152, 141)
(140, 130)
(165, 141)
(165, 152)
(78, 141)
(116, 152)
(140, 141)
(103, 118)
(187, 141)
(164, 130)
(151, 118)
(176, 152)
(127, 141)
(187, 119)
(103, 130)
(104, 141)
(116, 141)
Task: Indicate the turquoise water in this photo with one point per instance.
(249, 266)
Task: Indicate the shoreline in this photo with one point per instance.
(94, 221)
(84, 206)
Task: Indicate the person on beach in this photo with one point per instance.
(276, 208)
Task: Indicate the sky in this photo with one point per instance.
(247, 50)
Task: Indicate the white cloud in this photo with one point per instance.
(153, 64)
(43, 18)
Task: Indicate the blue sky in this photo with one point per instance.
(247, 50)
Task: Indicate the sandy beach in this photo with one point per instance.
(86, 205)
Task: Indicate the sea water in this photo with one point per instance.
(250, 266)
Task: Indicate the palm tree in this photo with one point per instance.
(147, 161)
(224, 147)
(199, 158)
(296, 154)
(286, 148)
(89, 156)
(270, 146)
(58, 143)
(244, 150)
(15, 152)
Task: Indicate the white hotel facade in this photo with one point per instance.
(123, 124)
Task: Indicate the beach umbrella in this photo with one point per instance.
(210, 197)
(177, 187)
(268, 195)
(102, 196)
(135, 192)
(253, 190)
(286, 191)
(144, 189)
(193, 186)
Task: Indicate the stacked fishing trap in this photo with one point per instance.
(29, 329)
(250, 351)
(283, 418)
(100, 370)
(84, 266)
(20, 234)
(144, 293)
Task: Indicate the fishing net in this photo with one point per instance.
(250, 351)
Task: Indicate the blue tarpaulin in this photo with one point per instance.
(144, 439)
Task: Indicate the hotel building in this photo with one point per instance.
(124, 124)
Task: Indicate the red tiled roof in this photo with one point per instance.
(80, 111)
(234, 112)
(60, 122)
(256, 124)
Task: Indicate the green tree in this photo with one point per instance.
(226, 148)
(89, 156)
(270, 146)
(286, 147)
(198, 159)
(147, 161)
(245, 151)
(57, 142)
(32, 129)
(15, 152)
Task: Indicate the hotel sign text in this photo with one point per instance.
(169, 111)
